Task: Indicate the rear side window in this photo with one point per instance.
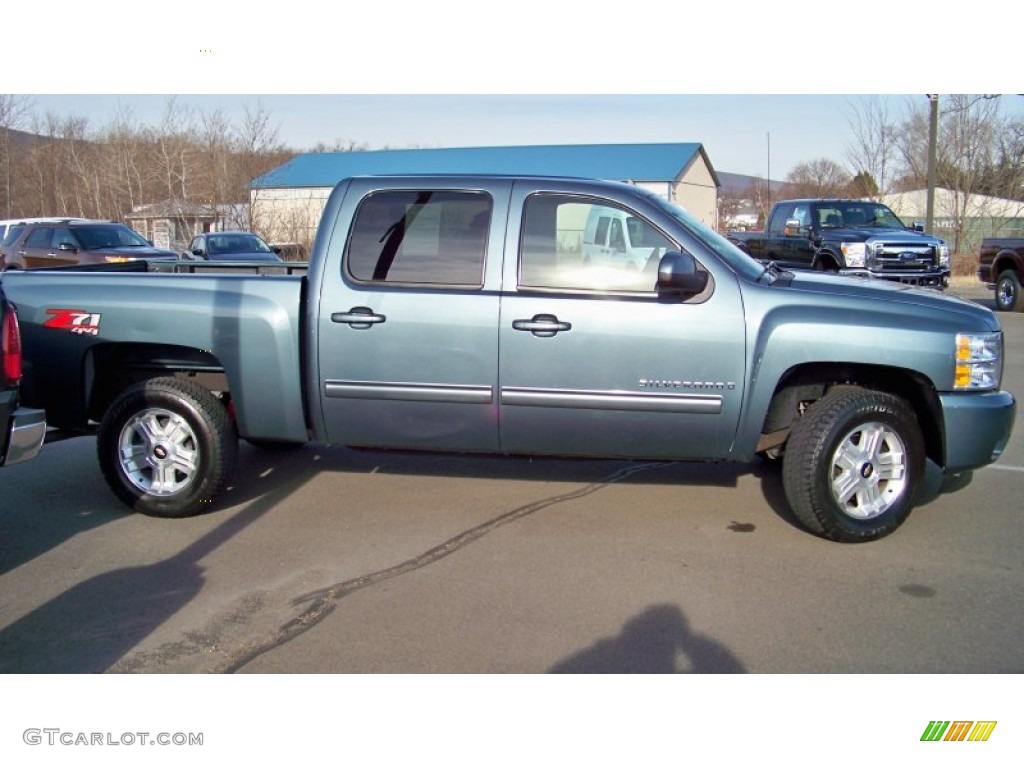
(13, 233)
(39, 238)
(420, 237)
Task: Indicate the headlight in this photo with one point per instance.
(979, 361)
(853, 253)
(943, 255)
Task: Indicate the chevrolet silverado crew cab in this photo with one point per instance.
(458, 313)
(21, 429)
(852, 237)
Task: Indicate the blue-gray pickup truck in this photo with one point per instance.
(467, 313)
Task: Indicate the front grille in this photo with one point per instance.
(905, 257)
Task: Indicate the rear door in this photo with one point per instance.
(36, 249)
(407, 341)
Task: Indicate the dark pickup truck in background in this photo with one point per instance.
(21, 429)
(1001, 266)
(851, 237)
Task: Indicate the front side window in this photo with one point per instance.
(573, 243)
(420, 237)
(63, 236)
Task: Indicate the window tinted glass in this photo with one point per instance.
(109, 236)
(563, 246)
(39, 238)
(421, 237)
(13, 232)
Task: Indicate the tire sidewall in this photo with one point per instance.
(199, 492)
(857, 409)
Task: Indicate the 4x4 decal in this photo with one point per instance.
(74, 320)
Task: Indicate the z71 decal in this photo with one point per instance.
(74, 320)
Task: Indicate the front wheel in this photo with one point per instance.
(166, 447)
(853, 464)
(1008, 292)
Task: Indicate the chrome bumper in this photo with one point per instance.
(27, 430)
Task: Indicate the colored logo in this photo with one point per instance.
(74, 320)
(959, 730)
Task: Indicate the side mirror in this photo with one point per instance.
(66, 247)
(197, 252)
(678, 275)
(918, 226)
(792, 227)
(276, 249)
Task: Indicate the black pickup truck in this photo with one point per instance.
(1001, 266)
(21, 429)
(850, 237)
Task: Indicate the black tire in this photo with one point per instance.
(853, 465)
(1008, 292)
(167, 447)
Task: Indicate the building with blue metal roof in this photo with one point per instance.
(287, 201)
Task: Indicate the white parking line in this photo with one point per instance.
(1006, 468)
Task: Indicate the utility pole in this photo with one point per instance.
(933, 139)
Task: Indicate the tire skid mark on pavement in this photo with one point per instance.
(322, 602)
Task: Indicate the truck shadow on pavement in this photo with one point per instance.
(658, 641)
(92, 625)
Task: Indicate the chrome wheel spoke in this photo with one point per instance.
(159, 452)
(868, 471)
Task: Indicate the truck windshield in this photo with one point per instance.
(108, 236)
(857, 214)
(742, 262)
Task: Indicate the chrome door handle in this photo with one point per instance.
(358, 317)
(543, 326)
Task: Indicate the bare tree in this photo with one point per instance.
(125, 159)
(873, 149)
(818, 178)
(14, 110)
(973, 139)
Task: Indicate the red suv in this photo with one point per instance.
(74, 241)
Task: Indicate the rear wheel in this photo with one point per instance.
(166, 447)
(1008, 292)
(853, 464)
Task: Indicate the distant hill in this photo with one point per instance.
(21, 141)
(736, 184)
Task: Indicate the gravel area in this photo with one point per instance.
(969, 287)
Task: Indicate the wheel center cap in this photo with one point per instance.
(160, 452)
(867, 470)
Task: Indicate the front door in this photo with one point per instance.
(594, 362)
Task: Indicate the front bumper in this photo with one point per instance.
(977, 428)
(25, 435)
(938, 280)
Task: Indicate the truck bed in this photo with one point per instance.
(242, 327)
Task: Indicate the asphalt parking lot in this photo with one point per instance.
(332, 560)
